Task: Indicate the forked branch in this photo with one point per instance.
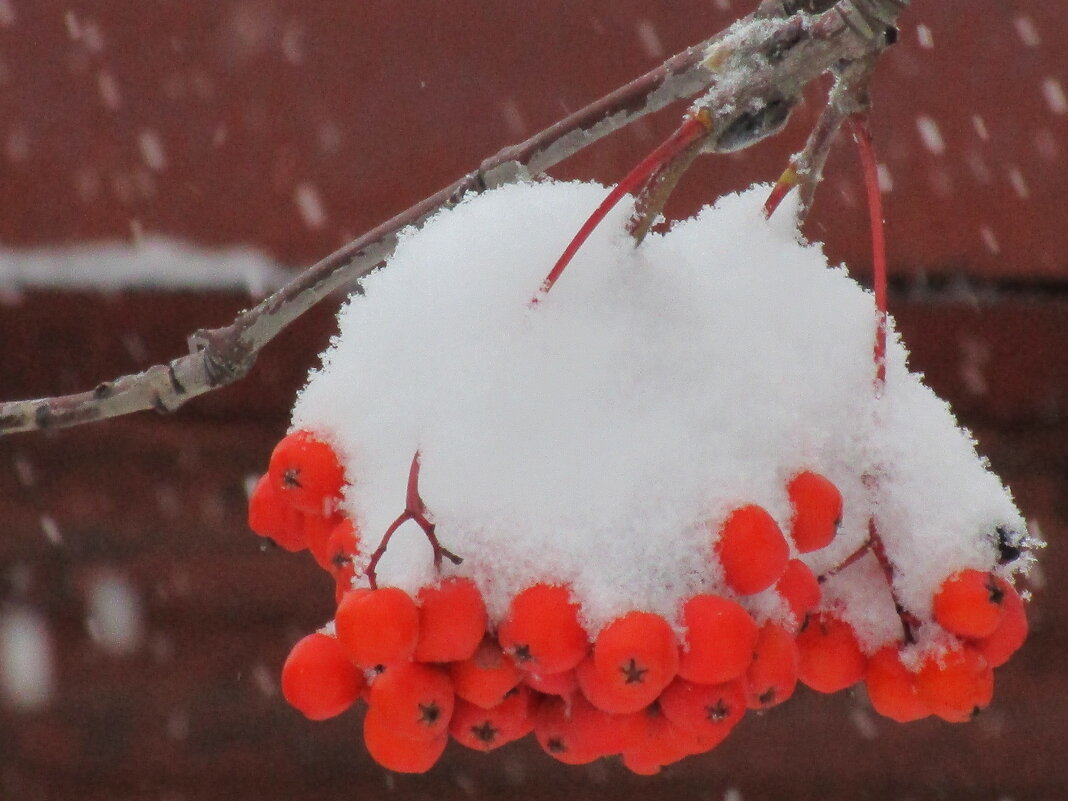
(749, 77)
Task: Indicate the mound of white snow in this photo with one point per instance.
(599, 437)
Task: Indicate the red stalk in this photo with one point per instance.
(786, 182)
(693, 128)
(862, 136)
(414, 509)
(858, 124)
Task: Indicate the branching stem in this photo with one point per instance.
(848, 96)
(415, 510)
(752, 74)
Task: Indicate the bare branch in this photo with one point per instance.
(753, 72)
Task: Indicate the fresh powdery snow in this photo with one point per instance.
(600, 436)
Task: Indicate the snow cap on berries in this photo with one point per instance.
(600, 439)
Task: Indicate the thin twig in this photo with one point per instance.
(848, 96)
(753, 73)
(765, 113)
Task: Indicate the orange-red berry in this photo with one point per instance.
(892, 687)
(635, 657)
(452, 621)
(396, 752)
(270, 516)
(969, 604)
(318, 679)
(800, 588)
(563, 684)
(707, 709)
(611, 732)
(575, 732)
(752, 550)
(719, 640)
(341, 549)
(956, 684)
(817, 505)
(772, 675)
(830, 656)
(377, 627)
(559, 730)
(1011, 632)
(486, 677)
(542, 631)
(317, 532)
(416, 699)
(487, 729)
(307, 473)
(661, 743)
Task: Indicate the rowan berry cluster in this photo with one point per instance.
(647, 689)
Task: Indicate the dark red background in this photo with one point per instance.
(374, 105)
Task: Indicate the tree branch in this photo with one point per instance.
(752, 73)
(848, 96)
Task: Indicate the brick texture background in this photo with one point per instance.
(204, 120)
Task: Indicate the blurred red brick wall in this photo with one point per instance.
(211, 120)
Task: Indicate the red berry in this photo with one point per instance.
(318, 679)
(661, 743)
(563, 684)
(956, 684)
(396, 752)
(486, 677)
(772, 676)
(542, 631)
(719, 641)
(752, 550)
(611, 732)
(486, 729)
(708, 709)
(800, 588)
(416, 699)
(830, 656)
(307, 473)
(969, 604)
(1011, 631)
(559, 730)
(635, 657)
(892, 688)
(317, 532)
(817, 514)
(575, 732)
(377, 627)
(270, 516)
(341, 548)
(452, 621)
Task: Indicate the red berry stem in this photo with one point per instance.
(858, 125)
(413, 502)
(874, 545)
(693, 128)
(786, 182)
(852, 559)
(909, 622)
(415, 510)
